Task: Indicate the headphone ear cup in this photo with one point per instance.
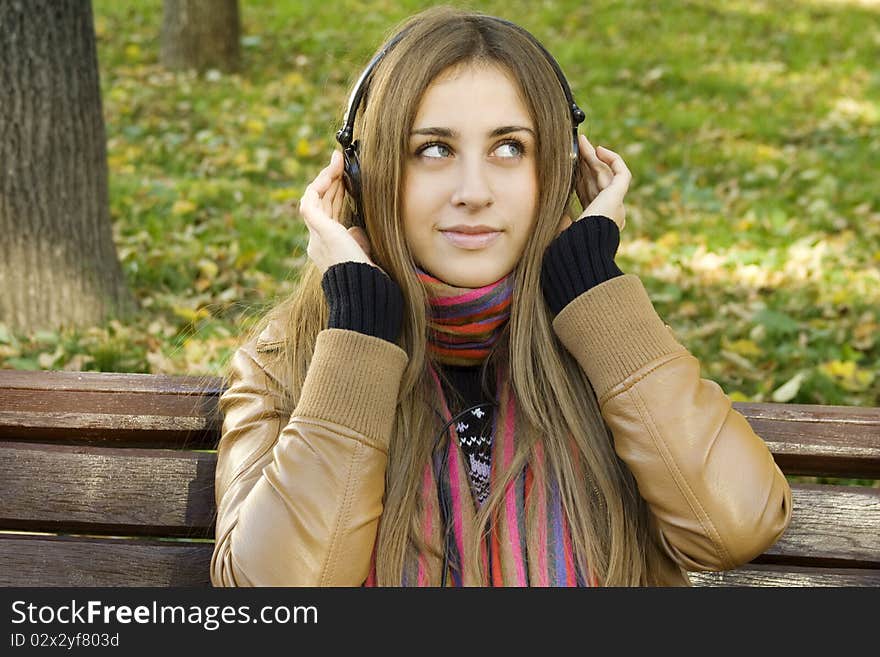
(351, 177)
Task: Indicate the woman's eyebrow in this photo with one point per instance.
(446, 132)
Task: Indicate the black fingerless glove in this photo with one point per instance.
(580, 257)
(363, 298)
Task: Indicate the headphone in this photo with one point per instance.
(351, 174)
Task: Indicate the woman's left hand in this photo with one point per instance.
(603, 183)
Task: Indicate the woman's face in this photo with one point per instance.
(470, 180)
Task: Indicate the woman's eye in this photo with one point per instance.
(430, 147)
(515, 148)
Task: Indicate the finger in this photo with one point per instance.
(614, 161)
(600, 169)
(321, 183)
(326, 176)
(618, 166)
(336, 162)
(622, 176)
(334, 169)
(307, 205)
(311, 207)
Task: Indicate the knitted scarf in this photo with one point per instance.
(465, 322)
(529, 544)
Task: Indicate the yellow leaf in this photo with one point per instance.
(208, 268)
(293, 79)
(118, 95)
(742, 347)
(255, 126)
(764, 152)
(182, 207)
(668, 240)
(841, 296)
(189, 314)
(737, 396)
(847, 375)
(284, 194)
(303, 148)
(291, 166)
(864, 335)
(133, 51)
(838, 368)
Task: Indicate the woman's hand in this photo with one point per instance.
(321, 207)
(603, 183)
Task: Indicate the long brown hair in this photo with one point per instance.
(612, 529)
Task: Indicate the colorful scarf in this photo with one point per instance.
(464, 322)
(527, 545)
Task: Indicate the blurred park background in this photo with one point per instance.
(752, 129)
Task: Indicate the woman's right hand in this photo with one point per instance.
(321, 207)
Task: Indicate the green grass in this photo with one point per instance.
(752, 130)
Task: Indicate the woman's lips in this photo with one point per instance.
(470, 241)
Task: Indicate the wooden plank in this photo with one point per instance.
(119, 403)
(120, 417)
(841, 441)
(43, 380)
(167, 411)
(105, 490)
(159, 431)
(170, 492)
(776, 575)
(31, 560)
(830, 525)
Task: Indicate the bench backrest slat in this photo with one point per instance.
(170, 493)
(164, 384)
(63, 561)
(99, 408)
(841, 441)
(143, 492)
(815, 534)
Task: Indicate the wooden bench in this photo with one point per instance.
(107, 480)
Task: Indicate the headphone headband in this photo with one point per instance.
(345, 134)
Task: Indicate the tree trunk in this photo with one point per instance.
(201, 34)
(58, 262)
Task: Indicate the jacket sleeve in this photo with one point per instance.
(718, 496)
(299, 494)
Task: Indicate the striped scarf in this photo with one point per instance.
(464, 323)
(528, 544)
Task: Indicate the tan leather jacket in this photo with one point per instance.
(299, 491)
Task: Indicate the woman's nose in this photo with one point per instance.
(472, 186)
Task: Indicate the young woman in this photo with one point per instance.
(465, 389)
